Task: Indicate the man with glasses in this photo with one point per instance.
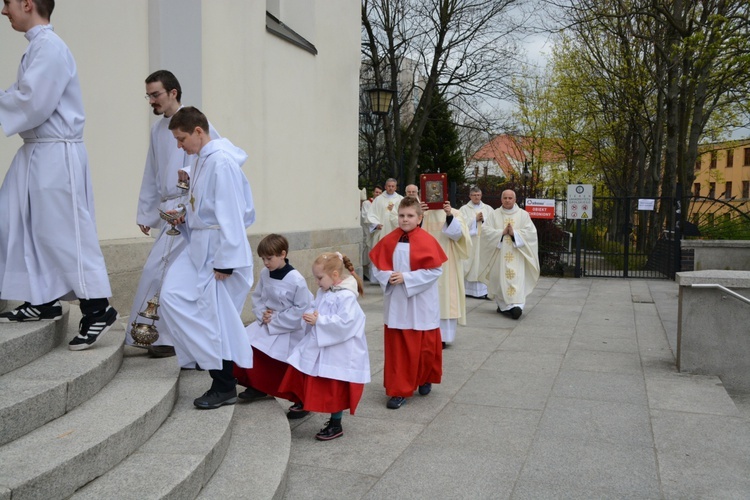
(49, 249)
(166, 164)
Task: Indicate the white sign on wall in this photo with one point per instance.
(580, 203)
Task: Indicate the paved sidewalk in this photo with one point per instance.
(578, 399)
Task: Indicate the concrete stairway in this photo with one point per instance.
(112, 422)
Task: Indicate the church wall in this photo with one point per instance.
(295, 113)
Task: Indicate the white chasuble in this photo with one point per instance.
(456, 243)
(509, 269)
(380, 214)
(469, 212)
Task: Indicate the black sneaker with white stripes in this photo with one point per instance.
(28, 312)
(91, 328)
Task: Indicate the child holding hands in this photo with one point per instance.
(331, 364)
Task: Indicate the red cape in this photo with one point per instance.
(424, 251)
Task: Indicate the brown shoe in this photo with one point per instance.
(161, 351)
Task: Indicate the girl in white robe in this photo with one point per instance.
(329, 367)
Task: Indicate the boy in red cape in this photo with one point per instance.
(407, 263)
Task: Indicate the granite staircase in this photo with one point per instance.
(112, 422)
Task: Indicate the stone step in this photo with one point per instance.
(57, 382)
(22, 343)
(257, 460)
(179, 458)
(65, 454)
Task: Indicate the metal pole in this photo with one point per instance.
(578, 271)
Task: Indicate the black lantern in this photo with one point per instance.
(380, 100)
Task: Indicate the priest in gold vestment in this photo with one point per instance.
(509, 256)
(450, 229)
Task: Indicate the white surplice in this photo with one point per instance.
(415, 303)
(456, 243)
(336, 346)
(288, 298)
(509, 268)
(379, 214)
(202, 312)
(49, 247)
(159, 191)
(474, 287)
(364, 212)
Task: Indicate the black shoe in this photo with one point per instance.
(329, 432)
(507, 312)
(251, 394)
(215, 399)
(516, 312)
(395, 402)
(425, 389)
(91, 328)
(161, 351)
(296, 411)
(27, 312)
(445, 345)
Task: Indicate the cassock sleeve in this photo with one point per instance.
(230, 212)
(32, 100)
(289, 319)
(149, 198)
(332, 329)
(373, 215)
(420, 280)
(381, 276)
(458, 232)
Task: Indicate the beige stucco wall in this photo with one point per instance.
(293, 112)
(110, 53)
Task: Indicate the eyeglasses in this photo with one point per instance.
(154, 95)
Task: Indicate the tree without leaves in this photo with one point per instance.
(459, 48)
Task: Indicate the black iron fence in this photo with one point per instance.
(623, 239)
(618, 240)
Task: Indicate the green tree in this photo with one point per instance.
(440, 148)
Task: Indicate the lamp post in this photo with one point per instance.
(380, 104)
(526, 176)
(380, 100)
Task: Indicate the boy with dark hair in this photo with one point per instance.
(279, 301)
(207, 284)
(408, 262)
(49, 249)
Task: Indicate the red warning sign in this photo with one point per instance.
(540, 208)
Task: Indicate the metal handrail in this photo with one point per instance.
(724, 289)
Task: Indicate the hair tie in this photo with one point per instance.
(338, 254)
